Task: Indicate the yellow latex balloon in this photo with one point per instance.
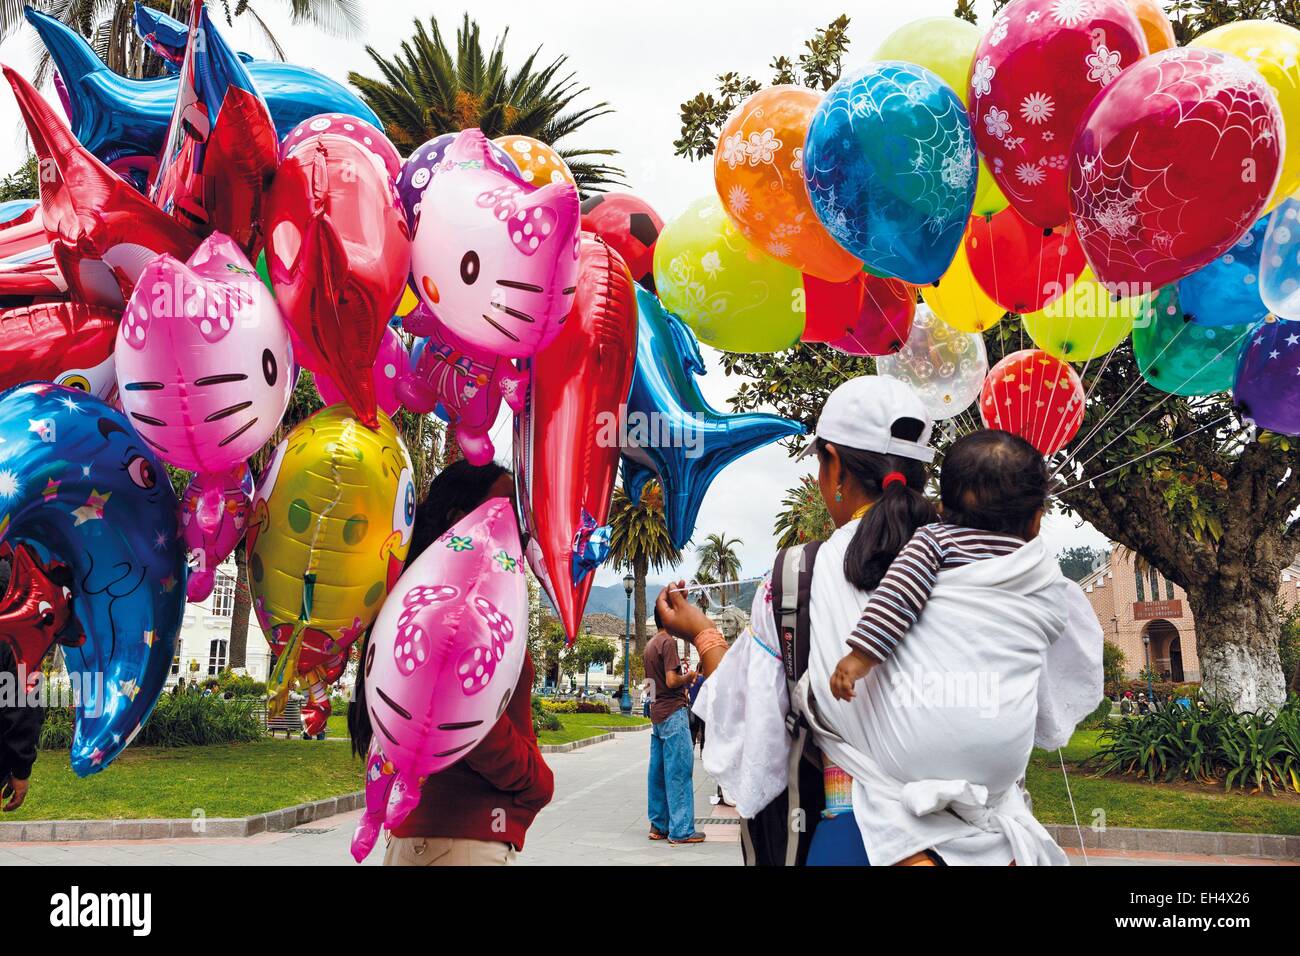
(1274, 50)
(945, 46)
(330, 528)
(1085, 322)
(735, 297)
(538, 163)
(409, 301)
(959, 300)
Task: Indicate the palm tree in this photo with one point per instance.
(803, 516)
(718, 558)
(428, 89)
(110, 28)
(702, 599)
(639, 541)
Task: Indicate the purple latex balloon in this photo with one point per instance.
(418, 170)
(1267, 389)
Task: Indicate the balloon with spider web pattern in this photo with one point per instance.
(1172, 165)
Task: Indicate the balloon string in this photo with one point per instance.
(1134, 460)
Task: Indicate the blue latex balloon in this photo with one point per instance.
(673, 434)
(1226, 292)
(1279, 267)
(891, 169)
(115, 117)
(77, 479)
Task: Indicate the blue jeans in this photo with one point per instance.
(672, 761)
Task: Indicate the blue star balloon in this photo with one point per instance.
(1267, 389)
(1226, 292)
(671, 433)
(891, 169)
(116, 118)
(76, 479)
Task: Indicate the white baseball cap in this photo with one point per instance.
(861, 414)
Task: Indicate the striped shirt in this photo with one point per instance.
(904, 590)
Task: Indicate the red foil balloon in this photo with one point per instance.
(1036, 396)
(338, 252)
(61, 342)
(101, 231)
(1033, 75)
(36, 609)
(1021, 266)
(27, 267)
(1172, 165)
(630, 226)
(868, 315)
(566, 439)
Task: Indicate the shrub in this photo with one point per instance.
(560, 706)
(591, 707)
(1112, 665)
(239, 685)
(543, 719)
(1099, 718)
(56, 732)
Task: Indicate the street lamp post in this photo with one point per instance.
(625, 702)
(1146, 647)
(586, 675)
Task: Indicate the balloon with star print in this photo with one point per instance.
(1267, 386)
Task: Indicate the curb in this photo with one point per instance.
(1269, 846)
(574, 744)
(276, 821)
(627, 728)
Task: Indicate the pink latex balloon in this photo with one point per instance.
(467, 381)
(494, 259)
(349, 127)
(204, 365)
(391, 367)
(214, 514)
(443, 658)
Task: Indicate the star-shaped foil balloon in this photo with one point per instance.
(670, 433)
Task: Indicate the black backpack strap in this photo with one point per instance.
(791, 598)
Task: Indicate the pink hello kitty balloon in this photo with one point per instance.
(444, 656)
(494, 259)
(467, 383)
(204, 365)
(214, 514)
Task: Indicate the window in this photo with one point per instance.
(217, 653)
(1141, 585)
(1155, 585)
(1169, 590)
(176, 660)
(223, 596)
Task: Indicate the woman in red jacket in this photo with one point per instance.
(475, 812)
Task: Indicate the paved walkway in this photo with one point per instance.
(597, 818)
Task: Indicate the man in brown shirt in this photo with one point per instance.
(672, 758)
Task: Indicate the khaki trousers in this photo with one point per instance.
(447, 851)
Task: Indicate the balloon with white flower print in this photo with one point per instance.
(1279, 265)
(1034, 74)
(891, 167)
(945, 366)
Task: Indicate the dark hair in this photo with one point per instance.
(993, 481)
(659, 621)
(455, 492)
(899, 510)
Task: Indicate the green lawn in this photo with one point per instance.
(582, 726)
(226, 780)
(1129, 802)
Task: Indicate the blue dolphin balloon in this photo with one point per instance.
(891, 169)
(166, 36)
(672, 433)
(115, 117)
(76, 479)
(1227, 291)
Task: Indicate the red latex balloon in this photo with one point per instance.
(1033, 75)
(868, 315)
(36, 609)
(101, 231)
(630, 226)
(566, 440)
(1172, 165)
(1021, 266)
(1036, 396)
(27, 267)
(62, 342)
(338, 252)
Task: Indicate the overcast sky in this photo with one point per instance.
(644, 59)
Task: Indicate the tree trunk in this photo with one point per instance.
(1237, 630)
(639, 568)
(240, 611)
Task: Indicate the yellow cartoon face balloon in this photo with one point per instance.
(331, 524)
(538, 163)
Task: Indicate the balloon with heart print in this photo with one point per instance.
(442, 660)
(1227, 291)
(1279, 266)
(868, 315)
(1036, 396)
(891, 169)
(1023, 267)
(1266, 389)
(1183, 357)
(1034, 73)
(1172, 163)
(945, 367)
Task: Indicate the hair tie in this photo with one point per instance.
(891, 478)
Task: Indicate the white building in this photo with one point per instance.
(203, 645)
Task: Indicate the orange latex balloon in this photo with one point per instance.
(538, 163)
(1159, 31)
(757, 172)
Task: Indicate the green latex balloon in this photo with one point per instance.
(1085, 322)
(1177, 355)
(945, 46)
(263, 272)
(732, 295)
